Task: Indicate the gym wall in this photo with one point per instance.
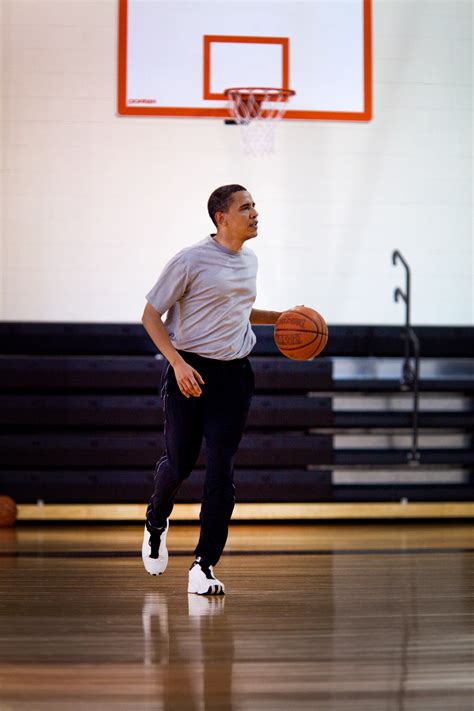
(94, 204)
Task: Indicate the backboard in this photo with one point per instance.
(177, 57)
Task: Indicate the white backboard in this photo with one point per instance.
(176, 58)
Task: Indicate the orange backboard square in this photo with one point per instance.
(284, 42)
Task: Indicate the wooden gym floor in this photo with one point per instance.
(363, 617)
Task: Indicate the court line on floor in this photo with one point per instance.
(183, 553)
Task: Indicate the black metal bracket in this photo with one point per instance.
(410, 373)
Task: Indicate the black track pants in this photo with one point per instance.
(218, 416)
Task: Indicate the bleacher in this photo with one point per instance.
(82, 423)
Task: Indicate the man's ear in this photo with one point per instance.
(221, 219)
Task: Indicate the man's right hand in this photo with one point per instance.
(188, 379)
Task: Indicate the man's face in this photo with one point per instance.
(241, 218)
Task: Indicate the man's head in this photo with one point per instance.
(233, 212)
(221, 200)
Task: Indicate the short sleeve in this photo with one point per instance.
(170, 286)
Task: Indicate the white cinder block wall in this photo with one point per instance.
(94, 204)
(2, 156)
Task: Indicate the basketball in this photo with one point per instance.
(301, 333)
(7, 511)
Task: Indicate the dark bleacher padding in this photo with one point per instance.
(131, 339)
(282, 412)
(133, 485)
(75, 339)
(392, 385)
(385, 341)
(111, 449)
(81, 420)
(50, 373)
(278, 374)
(77, 411)
(377, 420)
(389, 457)
(143, 373)
(126, 373)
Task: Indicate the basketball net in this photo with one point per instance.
(257, 110)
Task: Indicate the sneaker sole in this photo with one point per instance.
(211, 589)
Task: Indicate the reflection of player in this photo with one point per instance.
(205, 665)
(208, 291)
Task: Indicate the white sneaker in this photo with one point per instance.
(202, 581)
(154, 551)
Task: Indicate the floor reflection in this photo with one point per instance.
(193, 654)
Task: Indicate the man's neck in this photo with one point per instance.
(225, 240)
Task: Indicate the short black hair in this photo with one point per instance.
(221, 200)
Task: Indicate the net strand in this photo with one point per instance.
(257, 111)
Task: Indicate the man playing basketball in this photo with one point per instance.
(208, 291)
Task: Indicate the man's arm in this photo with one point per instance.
(260, 318)
(188, 378)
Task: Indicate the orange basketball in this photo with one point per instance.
(301, 333)
(7, 511)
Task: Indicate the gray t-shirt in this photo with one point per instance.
(208, 292)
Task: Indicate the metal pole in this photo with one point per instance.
(410, 376)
